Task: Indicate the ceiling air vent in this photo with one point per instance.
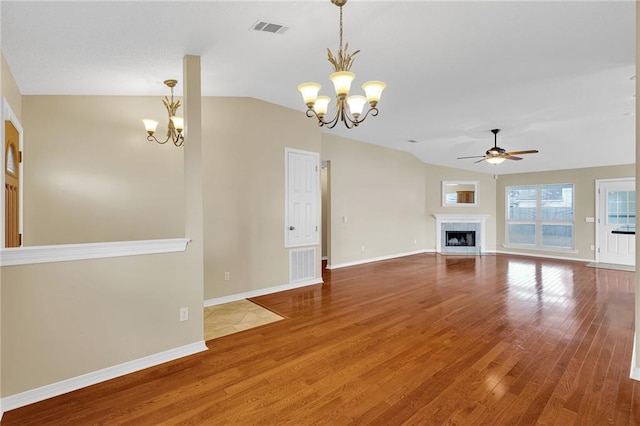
(268, 27)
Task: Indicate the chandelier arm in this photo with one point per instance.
(152, 138)
(373, 111)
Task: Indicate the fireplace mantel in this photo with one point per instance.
(460, 218)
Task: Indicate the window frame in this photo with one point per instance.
(539, 223)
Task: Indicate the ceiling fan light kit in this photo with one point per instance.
(349, 109)
(496, 155)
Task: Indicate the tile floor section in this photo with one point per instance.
(229, 318)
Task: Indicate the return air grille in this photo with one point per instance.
(302, 264)
(267, 27)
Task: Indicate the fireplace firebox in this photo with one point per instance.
(460, 238)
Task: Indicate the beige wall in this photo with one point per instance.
(486, 200)
(389, 198)
(381, 193)
(91, 175)
(62, 320)
(585, 199)
(244, 191)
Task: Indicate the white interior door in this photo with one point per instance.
(302, 198)
(616, 221)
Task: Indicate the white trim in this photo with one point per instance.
(60, 253)
(461, 218)
(49, 391)
(515, 253)
(635, 371)
(377, 259)
(255, 293)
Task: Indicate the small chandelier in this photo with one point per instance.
(176, 124)
(348, 108)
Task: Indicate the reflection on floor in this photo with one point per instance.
(630, 268)
(229, 318)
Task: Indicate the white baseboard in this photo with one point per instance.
(261, 292)
(49, 391)
(635, 371)
(545, 256)
(377, 259)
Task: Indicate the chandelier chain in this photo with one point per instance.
(340, 29)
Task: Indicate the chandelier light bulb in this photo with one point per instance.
(356, 104)
(309, 93)
(150, 126)
(373, 91)
(178, 123)
(342, 82)
(322, 105)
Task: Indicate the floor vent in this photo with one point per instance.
(302, 264)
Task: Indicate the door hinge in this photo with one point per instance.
(19, 240)
(316, 229)
(19, 156)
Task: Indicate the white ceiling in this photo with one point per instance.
(555, 76)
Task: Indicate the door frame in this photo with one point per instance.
(7, 114)
(598, 183)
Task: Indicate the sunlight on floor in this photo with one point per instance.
(229, 318)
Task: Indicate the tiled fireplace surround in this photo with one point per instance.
(460, 222)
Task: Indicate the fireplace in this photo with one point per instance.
(460, 233)
(460, 238)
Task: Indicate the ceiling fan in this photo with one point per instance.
(497, 155)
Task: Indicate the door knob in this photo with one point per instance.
(291, 228)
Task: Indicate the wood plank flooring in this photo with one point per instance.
(422, 340)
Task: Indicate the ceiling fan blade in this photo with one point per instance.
(511, 157)
(531, 151)
(480, 161)
(474, 156)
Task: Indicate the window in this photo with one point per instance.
(621, 207)
(541, 216)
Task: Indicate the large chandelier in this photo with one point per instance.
(348, 108)
(176, 124)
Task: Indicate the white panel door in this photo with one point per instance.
(302, 197)
(616, 221)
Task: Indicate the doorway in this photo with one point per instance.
(12, 159)
(615, 225)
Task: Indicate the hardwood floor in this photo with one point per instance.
(425, 339)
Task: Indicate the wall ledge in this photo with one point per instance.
(49, 391)
(68, 252)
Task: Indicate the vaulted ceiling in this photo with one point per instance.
(556, 76)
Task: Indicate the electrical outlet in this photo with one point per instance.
(362, 249)
(227, 276)
(184, 314)
(593, 247)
